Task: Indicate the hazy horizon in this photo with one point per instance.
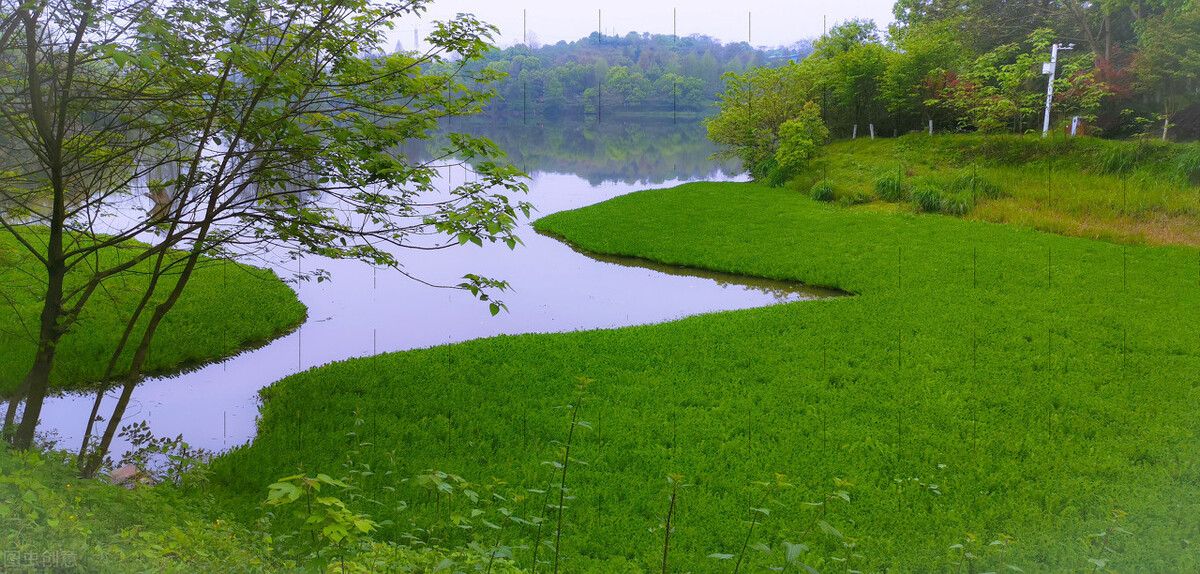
(760, 22)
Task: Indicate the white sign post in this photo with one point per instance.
(1048, 68)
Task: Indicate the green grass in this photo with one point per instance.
(226, 307)
(55, 522)
(1130, 192)
(1039, 381)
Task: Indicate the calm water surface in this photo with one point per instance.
(364, 311)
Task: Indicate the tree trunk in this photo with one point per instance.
(1107, 37)
(142, 352)
(10, 415)
(37, 381)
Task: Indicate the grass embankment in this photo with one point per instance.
(985, 379)
(226, 307)
(1130, 192)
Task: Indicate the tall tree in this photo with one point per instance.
(1167, 63)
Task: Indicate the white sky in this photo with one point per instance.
(771, 22)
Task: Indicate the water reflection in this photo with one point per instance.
(364, 311)
(618, 150)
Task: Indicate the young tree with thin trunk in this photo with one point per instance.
(255, 126)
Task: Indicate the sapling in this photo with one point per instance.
(964, 552)
(849, 544)
(674, 479)
(762, 510)
(1001, 544)
(1100, 561)
(566, 462)
(540, 522)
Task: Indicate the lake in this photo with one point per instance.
(555, 288)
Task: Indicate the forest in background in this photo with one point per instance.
(610, 74)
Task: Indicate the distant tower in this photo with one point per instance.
(399, 47)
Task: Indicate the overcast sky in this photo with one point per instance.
(771, 22)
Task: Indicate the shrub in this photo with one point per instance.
(854, 198)
(956, 204)
(1117, 159)
(1188, 164)
(972, 185)
(928, 198)
(891, 187)
(822, 191)
(800, 137)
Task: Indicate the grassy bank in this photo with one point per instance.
(1130, 192)
(226, 307)
(55, 522)
(984, 379)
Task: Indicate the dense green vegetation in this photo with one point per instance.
(1124, 69)
(254, 306)
(1130, 192)
(614, 74)
(56, 522)
(984, 382)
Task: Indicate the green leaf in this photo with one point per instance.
(794, 551)
(720, 556)
(827, 529)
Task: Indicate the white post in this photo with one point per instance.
(930, 127)
(854, 134)
(872, 126)
(1049, 69)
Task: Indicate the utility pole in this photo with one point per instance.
(1048, 68)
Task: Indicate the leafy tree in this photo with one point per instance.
(799, 139)
(846, 37)
(257, 124)
(1004, 90)
(913, 76)
(1168, 61)
(753, 108)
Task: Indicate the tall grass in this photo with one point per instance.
(1132, 192)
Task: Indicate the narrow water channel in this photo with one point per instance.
(364, 311)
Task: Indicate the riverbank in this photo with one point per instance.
(985, 379)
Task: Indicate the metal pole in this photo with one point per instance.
(1049, 69)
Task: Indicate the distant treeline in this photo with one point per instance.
(635, 72)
